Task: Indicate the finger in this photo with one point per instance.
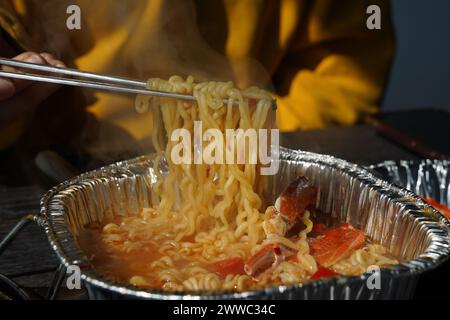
(51, 60)
(47, 59)
(9, 87)
(31, 93)
(30, 57)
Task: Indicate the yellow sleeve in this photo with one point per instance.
(336, 68)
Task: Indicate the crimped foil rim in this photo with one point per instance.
(398, 164)
(437, 252)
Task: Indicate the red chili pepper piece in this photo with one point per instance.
(229, 266)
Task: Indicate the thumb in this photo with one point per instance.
(9, 87)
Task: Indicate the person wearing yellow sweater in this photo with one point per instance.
(322, 63)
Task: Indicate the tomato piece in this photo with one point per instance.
(440, 207)
(336, 244)
(229, 266)
(323, 273)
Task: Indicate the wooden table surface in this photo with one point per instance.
(29, 260)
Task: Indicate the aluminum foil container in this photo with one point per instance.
(394, 217)
(428, 178)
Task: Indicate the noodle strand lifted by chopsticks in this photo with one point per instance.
(209, 191)
(217, 207)
(204, 213)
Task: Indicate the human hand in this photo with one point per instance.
(20, 96)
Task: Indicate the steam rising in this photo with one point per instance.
(137, 39)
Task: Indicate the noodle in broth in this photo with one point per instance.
(206, 213)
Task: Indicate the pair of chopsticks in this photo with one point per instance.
(73, 77)
(91, 80)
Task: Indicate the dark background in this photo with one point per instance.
(420, 74)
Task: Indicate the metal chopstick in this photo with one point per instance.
(93, 85)
(71, 72)
(83, 83)
(116, 84)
